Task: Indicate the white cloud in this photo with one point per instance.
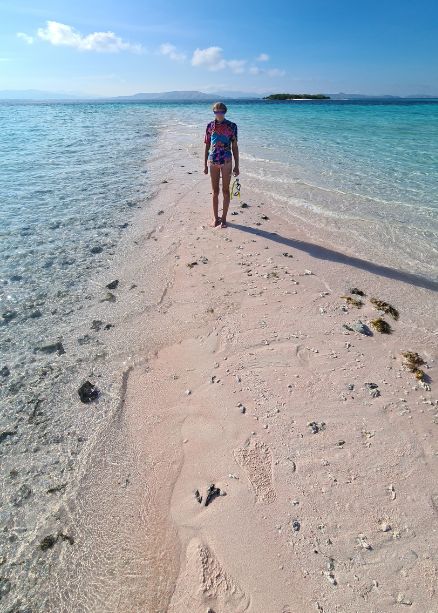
(263, 57)
(212, 59)
(60, 34)
(237, 66)
(171, 52)
(272, 72)
(28, 39)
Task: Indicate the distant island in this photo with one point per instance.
(297, 97)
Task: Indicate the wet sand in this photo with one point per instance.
(248, 379)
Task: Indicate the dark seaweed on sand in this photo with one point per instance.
(353, 301)
(381, 326)
(419, 374)
(385, 307)
(412, 360)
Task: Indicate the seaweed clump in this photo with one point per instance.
(412, 361)
(381, 326)
(419, 374)
(385, 307)
(353, 301)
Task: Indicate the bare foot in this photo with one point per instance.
(224, 224)
(216, 222)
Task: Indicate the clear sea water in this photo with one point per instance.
(365, 173)
(361, 177)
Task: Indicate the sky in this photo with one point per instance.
(111, 47)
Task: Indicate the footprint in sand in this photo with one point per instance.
(204, 583)
(302, 354)
(256, 459)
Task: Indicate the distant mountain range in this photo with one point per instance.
(35, 94)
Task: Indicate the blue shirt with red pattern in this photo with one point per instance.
(220, 134)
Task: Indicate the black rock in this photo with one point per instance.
(316, 427)
(5, 372)
(296, 525)
(355, 290)
(243, 205)
(9, 316)
(124, 225)
(265, 217)
(212, 492)
(113, 284)
(48, 542)
(35, 314)
(96, 324)
(88, 392)
(4, 435)
(96, 249)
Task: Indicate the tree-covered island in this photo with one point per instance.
(297, 97)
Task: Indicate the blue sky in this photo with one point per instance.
(117, 48)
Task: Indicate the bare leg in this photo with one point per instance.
(226, 178)
(215, 176)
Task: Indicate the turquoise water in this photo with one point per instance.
(362, 176)
(70, 173)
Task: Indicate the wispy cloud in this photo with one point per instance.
(60, 34)
(211, 58)
(170, 51)
(27, 39)
(270, 72)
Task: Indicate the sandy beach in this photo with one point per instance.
(271, 452)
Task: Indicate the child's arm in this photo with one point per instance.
(207, 149)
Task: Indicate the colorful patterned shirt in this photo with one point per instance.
(221, 134)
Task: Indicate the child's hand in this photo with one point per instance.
(206, 170)
(236, 171)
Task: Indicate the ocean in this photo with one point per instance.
(358, 176)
